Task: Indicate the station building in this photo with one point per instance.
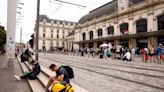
(53, 33)
(131, 23)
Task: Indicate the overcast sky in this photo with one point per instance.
(51, 8)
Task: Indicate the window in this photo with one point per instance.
(84, 36)
(84, 45)
(71, 24)
(110, 30)
(63, 43)
(44, 35)
(91, 35)
(124, 28)
(141, 25)
(52, 33)
(51, 30)
(44, 30)
(66, 23)
(63, 36)
(57, 43)
(60, 22)
(44, 42)
(63, 32)
(57, 36)
(57, 31)
(51, 43)
(100, 32)
(55, 22)
(52, 36)
(51, 23)
(160, 22)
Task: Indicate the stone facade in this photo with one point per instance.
(53, 33)
(134, 23)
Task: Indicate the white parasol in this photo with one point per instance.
(104, 45)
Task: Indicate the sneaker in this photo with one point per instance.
(17, 77)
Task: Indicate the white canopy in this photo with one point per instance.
(104, 45)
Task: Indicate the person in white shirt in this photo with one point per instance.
(127, 56)
(133, 53)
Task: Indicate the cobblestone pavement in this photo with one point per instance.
(109, 75)
(7, 81)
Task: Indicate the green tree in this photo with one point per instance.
(2, 37)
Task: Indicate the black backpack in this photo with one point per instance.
(70, 71)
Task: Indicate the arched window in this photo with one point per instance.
(161, 22)
(141, 25)
(91, 35)
(110, 30)
(124, 28)
(84, 36)
(100, 32)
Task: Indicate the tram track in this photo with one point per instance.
(132, 65)
(105, 74)
(110, 68)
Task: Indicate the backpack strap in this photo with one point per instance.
(65, 88)
(69, 88)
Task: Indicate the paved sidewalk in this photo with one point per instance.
(7, 81)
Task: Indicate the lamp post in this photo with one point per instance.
(37, 29)
(11, 26)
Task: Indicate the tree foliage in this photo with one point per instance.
(2, 36)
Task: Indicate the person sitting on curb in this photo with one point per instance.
(33, 73)
(61, 77)
(127, 56)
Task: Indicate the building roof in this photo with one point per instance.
(106, 9)
(41, 17)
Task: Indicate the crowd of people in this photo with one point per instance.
(151, 54)
(65, 73)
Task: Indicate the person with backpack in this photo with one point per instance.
(33, 72)
(63, 75)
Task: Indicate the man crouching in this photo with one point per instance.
(61, 77)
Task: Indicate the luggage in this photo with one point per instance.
(61, 88)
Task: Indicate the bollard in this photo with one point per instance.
(10, 63)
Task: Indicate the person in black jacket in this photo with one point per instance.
(33, 73)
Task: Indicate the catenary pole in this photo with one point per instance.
(37, 28)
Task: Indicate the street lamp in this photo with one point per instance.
(37, 29)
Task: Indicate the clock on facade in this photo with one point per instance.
(123, 4)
